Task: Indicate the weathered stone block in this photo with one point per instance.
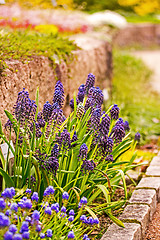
(95, 56)
(137, 213)
(132, 231)
(155, 161)
(153, 171)
(150, 183)
(145, 196)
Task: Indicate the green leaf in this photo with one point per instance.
(8, 181)
(115, 220)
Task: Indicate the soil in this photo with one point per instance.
(153, 231)
(104, 220)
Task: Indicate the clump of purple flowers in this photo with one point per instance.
(26, 221)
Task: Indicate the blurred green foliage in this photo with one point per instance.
(136, 99)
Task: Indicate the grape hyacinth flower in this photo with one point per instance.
(81, 93)
(28, 191)
(37, 129)
(36, 215)
(25, 108)
(49, 191)
(109, 158)
(55, 151)
(8, 236)
(88, 166)
(90, 102)
(104, 125)
(83, 151)
(65, 195)
(71, 218)
(71, 212)
(47, 111)
(49, 233)
(40, 120)
(114, 112)
(118, 132)
(8, 125)
(57, 116)
(59, 85)
(8, 193)
(95, 118)
(98, 96)
(51, 165)
(58, 96)
(13, 228)
(74, 138)
(71, 235)
(126, 126)
(35, 197)
(137, 137)
(2, 204)
(65, 139)
(89, 82)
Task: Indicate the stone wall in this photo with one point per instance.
(145, 35)
(95, 57)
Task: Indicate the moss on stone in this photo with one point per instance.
(23, 45)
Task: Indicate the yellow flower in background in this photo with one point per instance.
(43, 3)
(47, 29)
(142, 7)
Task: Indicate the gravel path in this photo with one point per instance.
(152, 60)
(153, 231)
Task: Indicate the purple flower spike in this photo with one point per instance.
(89, 82)
(8, 236)
(109, 158)
(47, 111)
(71, 235)
(35, 197)
(83, 200)
(2, 204)
(83, 151)
(137, 137)
(65, 195)
(88, 166)
(49, 233)
(126, 126)
(114, 112)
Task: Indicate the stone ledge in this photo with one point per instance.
(153, 171)
(150, 183)
(132, 231)
(138, 214)
(41, 72)
(155, 161)
(145, 34)
(145, 196)
(142, 206)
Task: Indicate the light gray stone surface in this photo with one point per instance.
(145, 196)
(150, 183)
(136, 212)
(155, 161)
(153, 171)
(132, 231)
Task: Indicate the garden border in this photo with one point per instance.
(141, 207)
